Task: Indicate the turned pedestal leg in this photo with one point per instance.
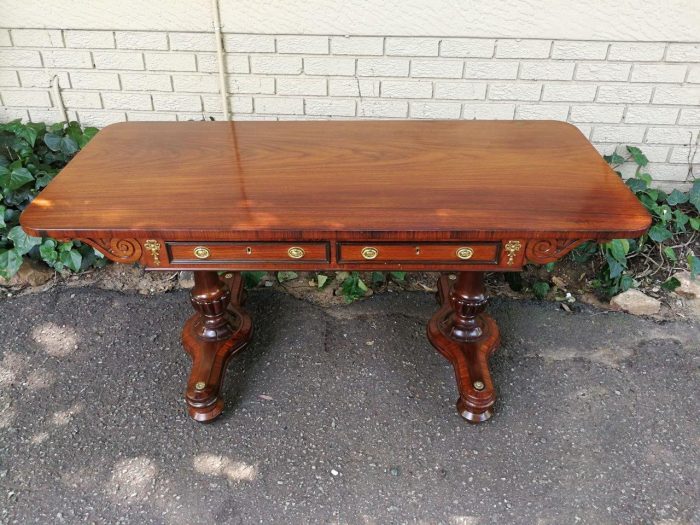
(466, 336)
(219, 329)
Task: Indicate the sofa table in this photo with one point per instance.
(463, 197)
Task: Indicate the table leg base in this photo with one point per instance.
(220, 329)
(466, 337)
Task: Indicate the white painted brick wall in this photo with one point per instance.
(616, 92)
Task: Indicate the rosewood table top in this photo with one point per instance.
(457, 196)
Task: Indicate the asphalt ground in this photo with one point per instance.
(343, 415)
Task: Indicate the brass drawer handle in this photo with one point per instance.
(201, 252)
(465, 253)
(296, 253)
(369, 252)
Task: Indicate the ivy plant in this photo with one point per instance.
(31, 154)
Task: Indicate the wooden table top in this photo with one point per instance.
(424, 180)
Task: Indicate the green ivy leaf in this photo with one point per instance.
(614, 158)
(671, 284)
(658, 233)
(677, 197)
(68, 146)
(14, 179)
(23, 242)
(88, 133)
(286, 276)
(619, 248)
(626, 282)
(694, 195)
(53, 141)
(670, 253)
(540, 289)
(252, 279)
(10, 261)
(694, 265)
(2, 217)
(399, 276)
(694, 223)
(378, 277)
(636, 185)
(637, 156)
(71, 259)
(321, 280)
(48, 252)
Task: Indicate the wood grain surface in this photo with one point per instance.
(343, 180)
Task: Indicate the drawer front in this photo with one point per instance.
(465, 252)
(242, 252)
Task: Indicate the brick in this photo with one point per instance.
(624, 94)
(412, 46)
(173, 102)
(257, 85)
(488, 111)
(689, 117)
(310, 45)
(569, 92)
(133, 101)
(503, 91)
(330, 107)
(249, 43)
(196, 83)
(146, 82)
(94, 80)
(596, 113)
(618, 134)
(279, 106)
(687, 95)
(50, 115)
(192, 41)
(171, 62)
(329, 66)
(542, 112)
(693, 75)
(658, 73)
(382, 108)
(100, 119)
(89, 39)
(353, 87)
(436, 68)
(357, 45)
(467, 48)
(670, 172)
(651, 115)
(5, 38)
(674, 135)
(653, 153)
(550, 70)
(492, 69)
(42, 78)
(436, 110)
(301, 86)
(580, 50)
(19, 58)
(679, 154)
(142, 40)
(523, 48)
(234, 63)
(36, 38)
(406, 89)
(118, 60)
(382, 67)
(460, 90)
(7, 114)
(637, 51)
(81, 99)
(602, 71)
(276, 65)
(66, 58)
(26, 98)
(683, 53)
(8, 79)
(150, 116)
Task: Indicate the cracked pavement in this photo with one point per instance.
(343, 415)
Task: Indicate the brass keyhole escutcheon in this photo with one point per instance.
(369, 253)
(249, 250)
(201, 252)
(465, 253)
(296, 253)
(479, 385)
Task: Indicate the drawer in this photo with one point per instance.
(247, 252)
(452, 252)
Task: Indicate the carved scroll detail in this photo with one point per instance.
(118, 250)
(549, 250)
